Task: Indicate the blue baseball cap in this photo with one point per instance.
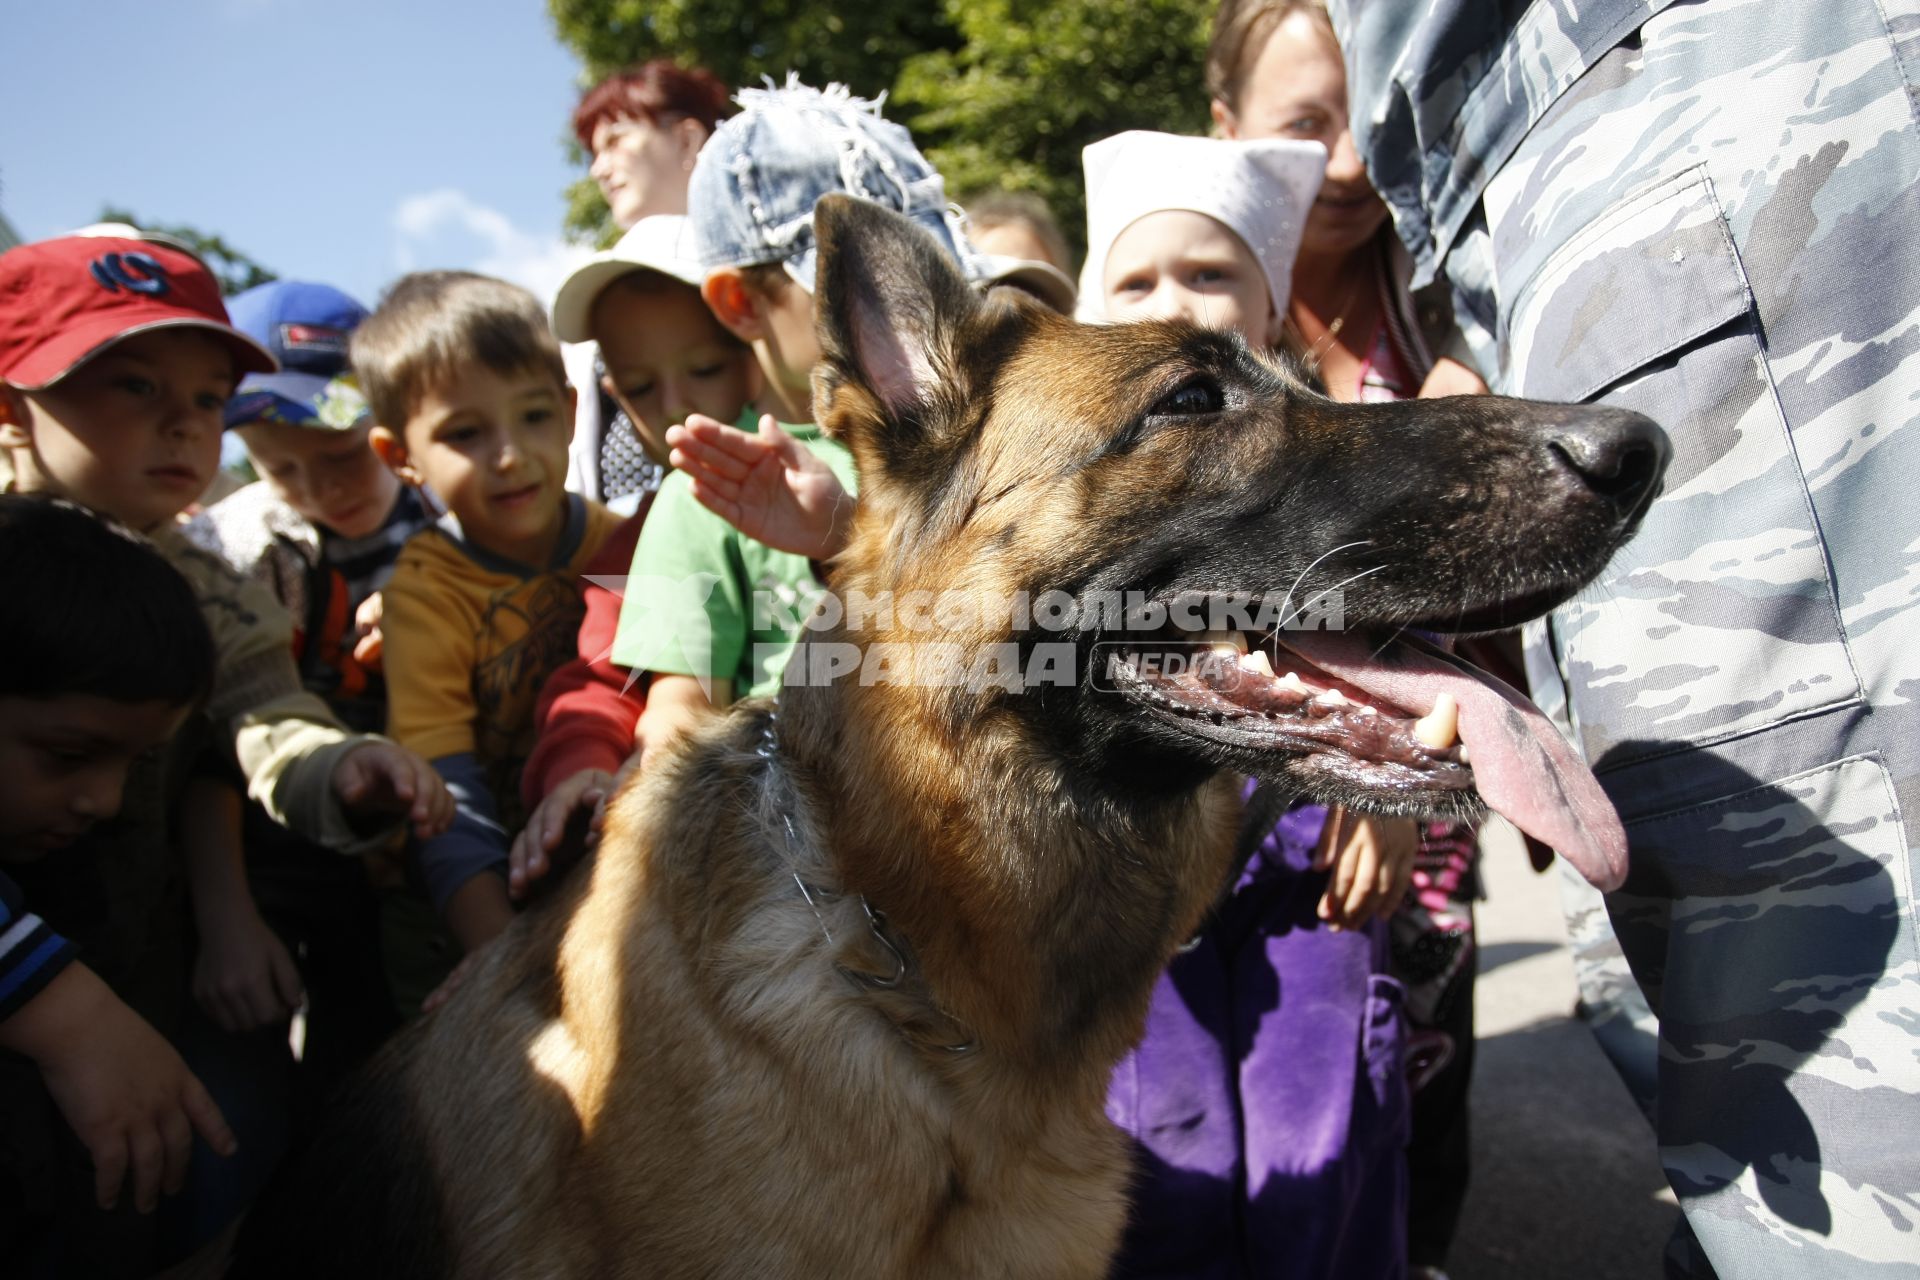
(306, 327)
(751, 196)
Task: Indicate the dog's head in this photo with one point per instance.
(1186, 560)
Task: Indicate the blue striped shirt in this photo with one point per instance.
(30, 953)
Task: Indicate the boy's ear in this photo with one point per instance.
(733, 304)
(16, 424)
(893, 309)
(392, 450)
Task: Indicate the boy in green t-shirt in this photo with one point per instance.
(709, 610)
(709, 606)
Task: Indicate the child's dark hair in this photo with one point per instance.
(94, 609)
(768, 279)
(430, 322)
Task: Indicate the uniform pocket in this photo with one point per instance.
(1718, 620)
(1790, 900)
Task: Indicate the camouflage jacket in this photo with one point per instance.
(1709, 212)
(1705, 212)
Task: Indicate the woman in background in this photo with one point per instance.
(644, 126)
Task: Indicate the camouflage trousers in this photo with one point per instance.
(1710, 212)
(1611, 1002)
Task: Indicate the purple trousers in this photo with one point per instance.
(1267, 1103)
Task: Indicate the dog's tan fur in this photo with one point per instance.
(699, 1085)
(702, 1059)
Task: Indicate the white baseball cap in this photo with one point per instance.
(663, 243)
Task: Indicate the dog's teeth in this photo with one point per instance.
(1367, 709)
(1332, 698)
(1257, 661)
(1440, 726)
(1291, 680)
(1465, 758)
(1225, 641)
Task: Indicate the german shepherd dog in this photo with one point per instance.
(840, 992)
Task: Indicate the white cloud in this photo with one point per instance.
(448, 228)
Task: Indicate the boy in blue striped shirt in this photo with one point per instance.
(102, 662)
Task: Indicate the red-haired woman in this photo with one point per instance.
(644, 126)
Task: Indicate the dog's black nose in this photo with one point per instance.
(1615, 454)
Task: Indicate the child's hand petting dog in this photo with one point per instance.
(120, 1086)
(768, 486)
(380, 782)
(583, 795)
(451, 983)
(243, 977)
(1372, 864)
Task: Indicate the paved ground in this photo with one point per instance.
(1565, 1182)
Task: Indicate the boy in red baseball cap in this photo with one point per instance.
(94, 332)
(116, 363)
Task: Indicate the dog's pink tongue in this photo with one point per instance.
(1522, 766)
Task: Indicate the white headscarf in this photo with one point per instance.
(1260, 190)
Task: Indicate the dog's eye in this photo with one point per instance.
(1191, 398)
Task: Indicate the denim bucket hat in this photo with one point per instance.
(753, 189)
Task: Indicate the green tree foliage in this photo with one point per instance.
(1002, 94)
(860, 44)
(235, 271)
(1034, 82)
(587, 217)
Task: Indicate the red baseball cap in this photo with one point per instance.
(64, 301)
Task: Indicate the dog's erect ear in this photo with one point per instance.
(891, 307)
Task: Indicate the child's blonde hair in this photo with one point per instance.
(430, 322)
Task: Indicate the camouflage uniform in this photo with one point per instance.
(1709, 212)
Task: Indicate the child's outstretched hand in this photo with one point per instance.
(768, 486)
(584, 794)
(382, 781)
(126, 1094)
(1372, 864)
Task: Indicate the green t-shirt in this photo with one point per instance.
(703, 599)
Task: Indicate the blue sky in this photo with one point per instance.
(344, 140)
